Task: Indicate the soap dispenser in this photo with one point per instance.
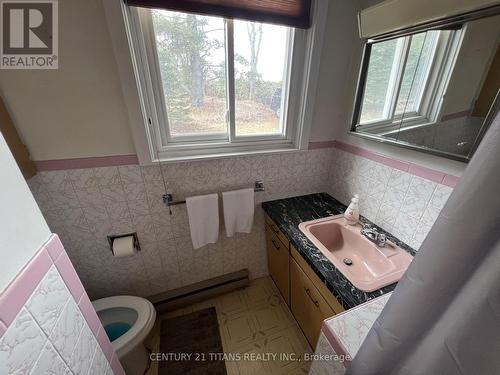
(351, 215)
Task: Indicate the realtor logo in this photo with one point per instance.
(29, 34)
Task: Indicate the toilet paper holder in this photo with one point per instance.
(113, 237)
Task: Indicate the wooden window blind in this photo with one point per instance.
(294, 13)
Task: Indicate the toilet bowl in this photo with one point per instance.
(127, 321)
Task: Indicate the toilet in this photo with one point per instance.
(127, 321)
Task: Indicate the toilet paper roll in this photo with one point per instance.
(123, 246)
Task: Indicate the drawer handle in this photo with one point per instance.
(308, 292)
(275, 229)
(277, 247)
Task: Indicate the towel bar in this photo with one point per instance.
(168, 199)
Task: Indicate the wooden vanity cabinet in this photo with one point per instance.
(278, 261)
(307, 296)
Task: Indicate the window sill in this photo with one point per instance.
(206, 154)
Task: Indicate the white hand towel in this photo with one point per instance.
(238, 211)
(203, 214)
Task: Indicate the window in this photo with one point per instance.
(402, 79)
(210, 85)
(192, 62)
(192, 52)
(261, 76)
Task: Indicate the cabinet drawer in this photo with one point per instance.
(278, 263)
(307, 304)
(274, 228)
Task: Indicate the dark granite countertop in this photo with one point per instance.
(290, 212)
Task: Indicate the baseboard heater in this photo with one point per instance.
(186, 295)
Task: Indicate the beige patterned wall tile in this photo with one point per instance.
(404, 204)
(113, 200)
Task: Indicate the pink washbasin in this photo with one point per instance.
(372, 267)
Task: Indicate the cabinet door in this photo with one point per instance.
(278, 258)
(307, 304)
(320, 286)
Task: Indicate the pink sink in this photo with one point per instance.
(372, 267)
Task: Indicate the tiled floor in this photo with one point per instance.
(252, 320)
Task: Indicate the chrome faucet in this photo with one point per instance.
(373, 235)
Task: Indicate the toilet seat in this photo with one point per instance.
(138, 331)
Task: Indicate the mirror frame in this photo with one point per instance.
(432, 25)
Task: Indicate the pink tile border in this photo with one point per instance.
(89, 313)
(450, 180)
(100, 161)
(412, 168)
(69, 275)
(54, 247)
(428, 174)
(321, 144)
(105, 344)
(394, 163)
(106, 161)
(3, 328)
(455, 115)
(116, 366)
(20, 289)
(337, 346)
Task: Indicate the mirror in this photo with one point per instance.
(433, 90)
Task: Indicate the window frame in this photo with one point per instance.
(304, 71)
(429, 104)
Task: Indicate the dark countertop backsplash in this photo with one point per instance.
(290, 212)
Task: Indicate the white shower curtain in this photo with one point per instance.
(444, 316)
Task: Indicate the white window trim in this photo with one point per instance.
(429, 106)
(300, 109)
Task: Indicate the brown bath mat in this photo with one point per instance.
(186, 343)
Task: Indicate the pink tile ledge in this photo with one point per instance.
(21, 288)
(382, 159)
(116, 366)
(427, 173)
(105, 344)
(321, 144)
(69, 275)
(336, 344)
(450, 180)
(93, 162)
(54, 247)
(3, 328)
(89, 313)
